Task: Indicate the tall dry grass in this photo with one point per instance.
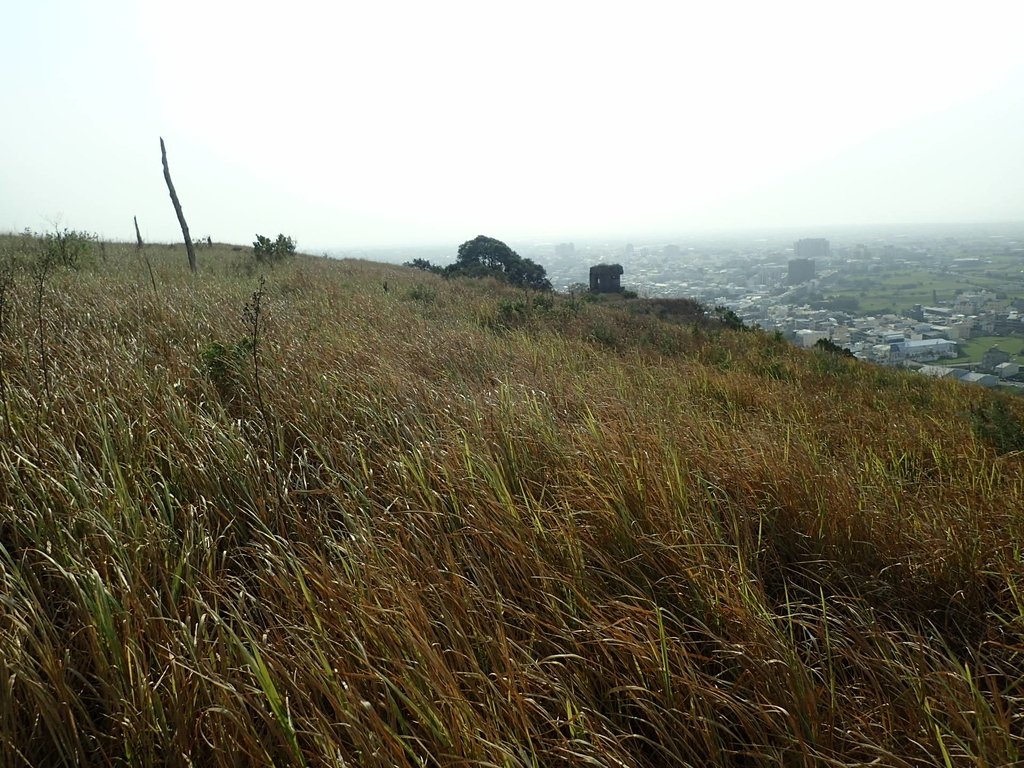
(470, 526)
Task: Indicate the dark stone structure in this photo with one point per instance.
(604, 278)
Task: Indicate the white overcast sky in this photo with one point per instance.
(382, 122)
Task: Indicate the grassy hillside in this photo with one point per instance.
(403, 521)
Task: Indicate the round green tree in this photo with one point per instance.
(488, 257)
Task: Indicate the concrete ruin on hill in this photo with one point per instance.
(605, 278)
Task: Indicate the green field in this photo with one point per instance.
(899, 290)
(973, 349)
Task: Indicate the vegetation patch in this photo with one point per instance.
(273, 251)
(996, 424)
(224, 363)
(619, 538)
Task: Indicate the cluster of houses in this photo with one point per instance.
(917, 345)
(922, 337)
(926, 335)
(995, 368)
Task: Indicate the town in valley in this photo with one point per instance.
(945, 300)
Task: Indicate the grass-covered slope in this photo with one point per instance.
(460, 525)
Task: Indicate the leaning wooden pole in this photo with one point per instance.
(177, 209)
(138, 235)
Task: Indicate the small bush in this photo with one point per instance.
(223, 364)
(830, 347)
(510, 314)
(996, 424)
(422, 293)
(604, 335)
(543, 302)
(68, 247)
(273, 251)
(425, 266)
(729, 319)
(61, 248)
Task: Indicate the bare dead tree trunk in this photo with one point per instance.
(138, 235)
(177, 209)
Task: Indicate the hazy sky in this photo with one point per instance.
(351, 124)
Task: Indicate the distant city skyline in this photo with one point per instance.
(781, 238)
(396, 123)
